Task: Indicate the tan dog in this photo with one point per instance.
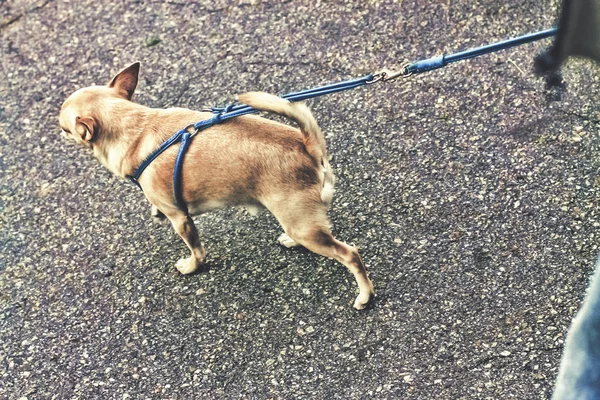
(247, 161)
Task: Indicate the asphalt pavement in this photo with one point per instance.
(472, 193)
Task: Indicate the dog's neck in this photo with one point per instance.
(120, 128)
(128, 133)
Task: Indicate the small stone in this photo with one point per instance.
(505, 353)
(152, 41)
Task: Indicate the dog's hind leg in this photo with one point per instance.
(306, 224)
(184, 226)
(319, 240)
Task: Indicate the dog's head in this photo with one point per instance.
(81, 114)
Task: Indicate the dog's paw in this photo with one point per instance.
(157, 214)
(287, 241)
(363, 300)
(252, 210)
(187, 265)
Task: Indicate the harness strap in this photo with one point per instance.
(168, 143)
(185, 143)
(138, 172)
(185, 138)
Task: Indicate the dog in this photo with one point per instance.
(247, 161)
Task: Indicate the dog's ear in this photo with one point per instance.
(126, 80)
(86, 128)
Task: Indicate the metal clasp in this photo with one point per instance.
(188, 127)
(386, 75)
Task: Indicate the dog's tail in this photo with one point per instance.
(314, 141)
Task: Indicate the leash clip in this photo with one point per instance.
(387, 75)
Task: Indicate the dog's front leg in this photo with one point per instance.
(156, 213)
(184, 226)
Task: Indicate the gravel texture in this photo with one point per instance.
(471, 191)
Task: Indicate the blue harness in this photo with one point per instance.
(223, 114)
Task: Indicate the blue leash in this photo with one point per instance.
(429, 64)
(223, 114)
(441, 61)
